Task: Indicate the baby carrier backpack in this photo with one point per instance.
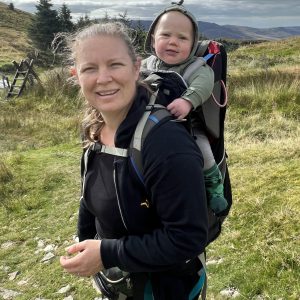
(210, 116)
(167, 86)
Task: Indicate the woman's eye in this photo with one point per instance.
(87, 69)
(116, 64)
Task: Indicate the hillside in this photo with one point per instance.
(15, 43)
(14, 40)
(267, 55)
(257, 254)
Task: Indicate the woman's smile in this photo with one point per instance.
(107, 92)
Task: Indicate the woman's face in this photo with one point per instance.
(106, 74)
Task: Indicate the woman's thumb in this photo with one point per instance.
(75, 248)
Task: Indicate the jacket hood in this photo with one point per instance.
(174, 7)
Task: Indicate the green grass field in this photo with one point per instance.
(257, 255)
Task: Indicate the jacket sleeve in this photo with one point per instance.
(175, 185)
(201, 85)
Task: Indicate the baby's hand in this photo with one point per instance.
(180, 108)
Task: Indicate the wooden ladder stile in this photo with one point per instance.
(24, 70)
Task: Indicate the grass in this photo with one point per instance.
(16, 18)
(267, 55)
(260, 242)
(41, 207)
(258, 251)
(14, 46)
(13, 35)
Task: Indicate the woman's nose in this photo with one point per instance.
(103, 76)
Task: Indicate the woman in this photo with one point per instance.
(153, 231)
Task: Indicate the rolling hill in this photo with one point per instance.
(215, 31)
(13, 35)
(15, 44)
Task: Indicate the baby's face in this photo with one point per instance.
(173, 37)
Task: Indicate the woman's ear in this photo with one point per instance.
(138, 62)
(74, 75)
(73, 71)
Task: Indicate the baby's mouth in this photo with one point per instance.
(170, 51)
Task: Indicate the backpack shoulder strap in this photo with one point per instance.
(151, 62)
(200, 61)
(202, 47)
(202, 58)
(153, 115)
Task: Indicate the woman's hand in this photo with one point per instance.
(86, 261)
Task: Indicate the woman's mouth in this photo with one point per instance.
(107, 93)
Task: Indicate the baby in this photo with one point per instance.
(173, 39)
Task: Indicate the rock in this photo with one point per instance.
(48, 257)
(64, 289)
(8, 294)
(13, 275)
(49, 248)
(7, 245)
(41, 244)
(230, 292)
(22, 282)
(214, 261)
(68, 298)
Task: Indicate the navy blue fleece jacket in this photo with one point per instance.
(173, 228)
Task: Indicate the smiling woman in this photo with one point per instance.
(143, 245)
(107, 81)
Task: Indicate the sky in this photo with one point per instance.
(252, 13)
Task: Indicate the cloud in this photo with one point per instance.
(255, 13)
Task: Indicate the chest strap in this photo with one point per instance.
(98, 148)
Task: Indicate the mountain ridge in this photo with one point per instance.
(215, 31)
(19, 20)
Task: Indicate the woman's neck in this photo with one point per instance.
(111, 124)
(107, 135)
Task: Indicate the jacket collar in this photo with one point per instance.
(126, 129)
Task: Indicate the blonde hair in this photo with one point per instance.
(93, 121)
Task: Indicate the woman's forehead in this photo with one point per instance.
(102, 44)
(94, 49)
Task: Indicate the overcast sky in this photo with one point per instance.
(253, 13)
